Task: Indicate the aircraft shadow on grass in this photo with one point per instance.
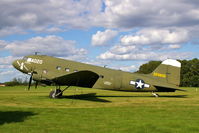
(87, 97)
(98, 98)
(14, 116)
(175, 96)
(168, 96)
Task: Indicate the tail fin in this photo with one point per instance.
(169, 71)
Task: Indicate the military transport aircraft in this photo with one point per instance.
(60, 72)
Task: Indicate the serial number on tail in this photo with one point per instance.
(159, 75)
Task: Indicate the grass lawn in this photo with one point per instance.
(84, 110)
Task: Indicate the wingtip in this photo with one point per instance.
(181, 90)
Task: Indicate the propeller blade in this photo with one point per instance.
(36, 84)
(30, 81)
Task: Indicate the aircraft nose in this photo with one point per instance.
(21, 66)
(16, 64)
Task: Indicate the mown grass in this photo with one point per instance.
(84, 110)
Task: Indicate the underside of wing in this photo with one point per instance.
(81, 78)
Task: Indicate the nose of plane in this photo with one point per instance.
(16, 64)
(21, 66)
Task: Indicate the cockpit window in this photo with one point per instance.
(25, 58)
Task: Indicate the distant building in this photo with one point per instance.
(2, 85)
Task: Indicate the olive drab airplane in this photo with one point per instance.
(60, 72)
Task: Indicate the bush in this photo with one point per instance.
(16, 81)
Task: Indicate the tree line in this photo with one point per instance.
(16, 81)
(189, 71)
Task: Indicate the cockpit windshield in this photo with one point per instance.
(25, 58)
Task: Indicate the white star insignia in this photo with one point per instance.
(139, 84)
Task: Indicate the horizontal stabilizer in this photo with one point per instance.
(167, 89)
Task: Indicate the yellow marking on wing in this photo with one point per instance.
(159, 75)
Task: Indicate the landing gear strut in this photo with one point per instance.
(154, 94)
(57, 93)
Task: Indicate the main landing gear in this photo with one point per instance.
(57, 93)
(154, 94)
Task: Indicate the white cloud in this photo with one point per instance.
(129, 56)
(5, 31)
(119, 49)
(41, 15)
(174, 46)
(144, 13)
(103, 38)
(149, 44)
(50, 45)
(5, 66)
(131, 68)
(2, 44)
(5, 73)
(156, 36)
(144, 55)
(7, 60)
(29, 18)
(53, 15)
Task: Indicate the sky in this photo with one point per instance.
(122, 34)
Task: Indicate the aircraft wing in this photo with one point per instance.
(81, 78)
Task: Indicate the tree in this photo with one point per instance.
(148, 67)
(16, 81)
(190, 73)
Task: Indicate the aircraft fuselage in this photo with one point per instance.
(47, 69)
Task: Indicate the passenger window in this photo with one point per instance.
(58, 68)
(101, 76)
(67, 69)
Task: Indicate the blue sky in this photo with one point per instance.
(121, 34)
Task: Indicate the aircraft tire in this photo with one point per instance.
(53, 94)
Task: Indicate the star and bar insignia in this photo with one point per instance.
(139, 84)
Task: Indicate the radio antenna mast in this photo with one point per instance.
(36, 53)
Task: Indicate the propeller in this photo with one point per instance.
(36, 84)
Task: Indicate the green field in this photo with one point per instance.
(85, 110)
